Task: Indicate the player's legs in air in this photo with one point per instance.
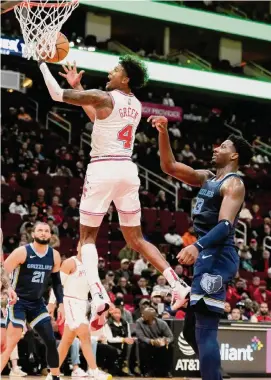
(104, 183)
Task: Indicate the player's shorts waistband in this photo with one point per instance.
(109, 158)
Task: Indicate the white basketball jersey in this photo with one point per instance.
(76, 285)
(115, 135)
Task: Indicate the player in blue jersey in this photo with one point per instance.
(214, 255)
(32, 266)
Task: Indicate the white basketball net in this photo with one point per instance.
(40, 23)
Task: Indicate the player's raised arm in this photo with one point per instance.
(95, 98)
(74, 79)
(169, 165)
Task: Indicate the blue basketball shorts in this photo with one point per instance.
(33, 312)
(213, 270)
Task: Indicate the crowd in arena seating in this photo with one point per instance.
(42, 179)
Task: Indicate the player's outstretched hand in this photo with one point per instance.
(12, 296)
(188, 255)
(60, 314)
(71, 74)
(159, 122)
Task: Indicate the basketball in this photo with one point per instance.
(62, 49)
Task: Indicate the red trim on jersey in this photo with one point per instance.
(129, 212)
(112, 159)
(92, 213)
(111, 155)
(123, 93)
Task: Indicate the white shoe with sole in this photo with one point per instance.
(97, 374)
(179, 294)
(78, 372)
(99, 305)
(17, 372)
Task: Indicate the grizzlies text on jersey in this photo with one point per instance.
(217, 265)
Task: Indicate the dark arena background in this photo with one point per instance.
(210, 74)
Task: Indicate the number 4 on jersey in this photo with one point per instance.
(126, 136)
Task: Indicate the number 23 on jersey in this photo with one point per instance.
(126, 136)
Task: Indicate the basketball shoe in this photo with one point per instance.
(180, 292)
(99, 306)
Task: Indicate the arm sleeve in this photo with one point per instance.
(57, 286)
(140, 334)
(215, 236)
(53, 87)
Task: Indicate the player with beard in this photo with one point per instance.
(214, 255)
(32, 266)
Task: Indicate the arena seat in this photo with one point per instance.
(166, 220)
(182, 222)
(66, 245)
(43, 181)
(150, 218)
(11, 224)
(60, 181)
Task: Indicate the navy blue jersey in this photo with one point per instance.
(206, 211)
(31, 277)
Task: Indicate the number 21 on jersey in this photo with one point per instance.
(126, 136)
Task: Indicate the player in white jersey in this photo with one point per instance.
(111, 175)
(75, 290)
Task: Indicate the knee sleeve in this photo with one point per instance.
(45, 331)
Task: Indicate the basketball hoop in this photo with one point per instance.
(40, 23)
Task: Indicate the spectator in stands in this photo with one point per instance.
(171, 237)
(24, 180)
(254, 285)
(19, 206)
(54, 241)
(124, 270)
(236, 315)
(168, 302)
(257, 220)
(245, 260)
(101, 268)
(53, 226)
(189, 237)
(128, 253)
(143, 303)
(120, 333)
(141, 289)
(22, 115)
(245, 214)
(187, 154)
(168, 101)
(58, 193)
(254, 249)
(111, 215)
(140, 265)
(28, 232)
(65, 230)
(264, 262)
(38, 152)
(261, 294)
(6, 157)
(263, 315)
(161, 201)
(122, 286)
(57, 210)
(72, 211)
(125, 314)
(162, 286)
(248, 308)
(156, 299)
(41, 205)
(25, 153)
(175, 131)
(30, 219)
(155, 338)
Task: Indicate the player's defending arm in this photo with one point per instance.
(95, 98)
(74, 80)
(169, 165)
(233, 193)
(57, 286)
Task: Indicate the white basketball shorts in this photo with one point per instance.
(110, 180)
(75, 312)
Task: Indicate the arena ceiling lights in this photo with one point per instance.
(182, 15)
(180, 76)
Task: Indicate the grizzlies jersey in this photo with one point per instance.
(31, 277)
(206, 211)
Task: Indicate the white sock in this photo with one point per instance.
(90, 262)
(170, 276)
